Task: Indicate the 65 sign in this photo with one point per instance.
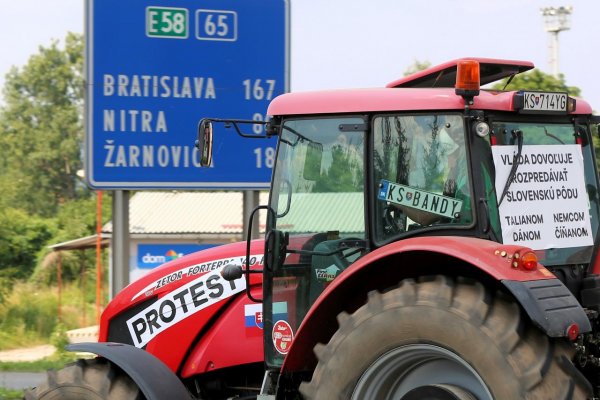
(155, 70)
(216, 25)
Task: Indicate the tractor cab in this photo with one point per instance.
(375, 186)
(347, 184)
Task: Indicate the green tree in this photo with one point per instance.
(42, 201)
(416, 67)
(74, 219)
(41, 129)
(21, 238)
(537, 80)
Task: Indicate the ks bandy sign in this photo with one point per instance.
(155, 68)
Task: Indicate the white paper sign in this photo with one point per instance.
(546, 205)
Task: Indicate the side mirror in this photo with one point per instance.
(205, 141)
(231, 272)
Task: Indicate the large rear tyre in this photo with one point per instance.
(442, 340)
(95, 379)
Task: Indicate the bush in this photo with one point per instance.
(29, 315)
(59, 338)
(21, 238)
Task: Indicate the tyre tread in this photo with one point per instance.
(96, 378)
(541, 365)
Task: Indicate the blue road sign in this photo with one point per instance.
(154, 69)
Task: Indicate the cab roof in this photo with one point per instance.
(430, 89)
(444, 75)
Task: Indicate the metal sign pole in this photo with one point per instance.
(250, 202)
(120, 242)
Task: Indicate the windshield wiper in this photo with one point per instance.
(552, 136)
(299, 139)
(515, 164)
(509, 80)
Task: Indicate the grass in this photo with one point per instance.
(9, 394)
(29, 314)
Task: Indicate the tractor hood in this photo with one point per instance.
(191, 283)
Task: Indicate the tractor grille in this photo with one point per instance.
(117, 329)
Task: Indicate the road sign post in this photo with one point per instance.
(153, 70)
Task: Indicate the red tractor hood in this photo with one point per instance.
(178, 273)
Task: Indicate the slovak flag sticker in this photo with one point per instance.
(253, 315)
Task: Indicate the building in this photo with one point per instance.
(166, 225)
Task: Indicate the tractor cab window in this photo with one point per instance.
(551, 204)
(319, 177)
(421, 173)
(318, 202)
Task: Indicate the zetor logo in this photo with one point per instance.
(180, 304)
(160, 259)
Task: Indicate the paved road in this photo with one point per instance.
(20, 380)
(29, 354)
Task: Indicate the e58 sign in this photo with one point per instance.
(167, 22)
(154, 70)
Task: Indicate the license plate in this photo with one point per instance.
(423, 200)
(542, 101)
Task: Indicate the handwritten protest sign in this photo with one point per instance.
(546, 205)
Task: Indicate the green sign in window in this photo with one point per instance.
(167, 22)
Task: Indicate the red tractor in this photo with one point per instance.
(427, 240)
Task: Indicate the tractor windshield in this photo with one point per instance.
(420, 173)
(317, 196)
(547, 192)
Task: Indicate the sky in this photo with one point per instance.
(360, 43)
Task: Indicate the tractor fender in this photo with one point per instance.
(550, 305)
(150, 374)
(451, 255)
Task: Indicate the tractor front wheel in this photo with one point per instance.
(95, 379)
(442, 339)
